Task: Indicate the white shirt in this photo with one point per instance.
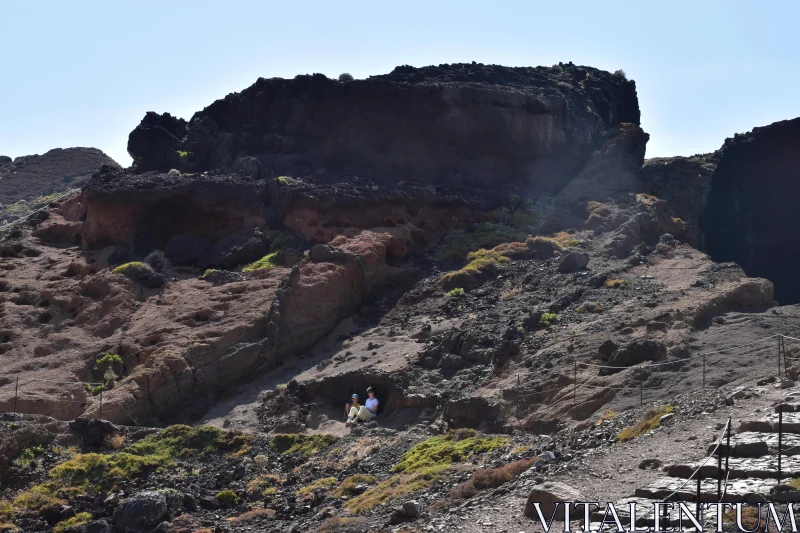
(372, 404)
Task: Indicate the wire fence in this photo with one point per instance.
(71, 192)
(782, 360)
(94, 391)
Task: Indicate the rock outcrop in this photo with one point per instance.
(465, 125)
(32, 176)
(751, 213)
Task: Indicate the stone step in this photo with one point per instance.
(738, 490)
(769, 424)
(756, 444)
(765, 467)
(789, 407)
(644, 513)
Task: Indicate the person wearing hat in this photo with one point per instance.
(351, 409)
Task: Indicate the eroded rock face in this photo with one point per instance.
(468, 125)
(751, 213)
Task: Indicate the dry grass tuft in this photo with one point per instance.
(650, 421)
(490, 478)
(616, 283)
(252, 516)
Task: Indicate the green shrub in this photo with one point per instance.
(208, 273)
(345, 76)
(458, 291)
(442, 450)
(132, 269)
(286, 443)
(268, 261)
(547, 319)
(227, 498)
(78, 520)
(37, 498)
(182, 155)
(108, 359)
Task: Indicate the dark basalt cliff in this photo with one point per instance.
(751, 216)
(461, 125)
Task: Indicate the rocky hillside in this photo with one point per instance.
(30, 182)
(474, 242)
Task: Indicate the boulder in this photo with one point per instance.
(186, 249)
(573, 262)
(98, 526)
(143, 510)
(248, 166)
(607, 348)
(240, 248)
(546, 495)
(636, 352)
(4, 160)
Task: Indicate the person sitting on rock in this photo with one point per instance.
(351, 409)
(366, 411)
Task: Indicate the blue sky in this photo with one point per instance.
(83, 73)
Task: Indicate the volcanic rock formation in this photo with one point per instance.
(464, 125)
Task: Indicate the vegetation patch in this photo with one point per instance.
(547, 319)
(591, 307)
(490, 478)
(565, 239)
(395, 487)
(480, 261)
(133, 268)
(268, 261)
(348, 486)
(227, 498)
(303, 444)
(337, 523)
(182, 155)
(458, 291)
(598, 208)
(608, 414)
(253, 516)
(185, 441)
(36, 499)
(616, 283)
(77, 520)
(543, 247)
(323, 484)
(650, 421)
(443, 450)
(456, 246)
(208, 273)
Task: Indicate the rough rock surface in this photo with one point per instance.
(58, 169)
(465, 125)
(751, 205)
